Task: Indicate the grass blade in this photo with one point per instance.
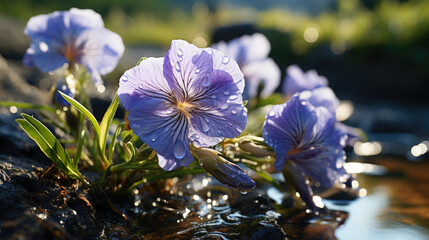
(107, 120)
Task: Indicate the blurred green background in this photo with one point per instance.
(369, 50)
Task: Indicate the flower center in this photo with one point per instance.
(185, 108)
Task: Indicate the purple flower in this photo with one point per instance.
(296, 80)
(306, 136)
(191, 96)
(74, 36)
(251, 53)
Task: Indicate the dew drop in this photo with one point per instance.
(205, 81)
(43, 47)
(197, 70)
(205, 126)
(153, 139)
(233, 97)
(179, 52)
(124, 78)
(243, 192)
(303, 103)
(225, 60)
(197, 137)
(178, 67)
(213, 96)
(224, 107)
(234, 112)
(226, 92)
(140, 86)
(272, 113)
(179, 149)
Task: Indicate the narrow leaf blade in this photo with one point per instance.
(107, 120)
(84, 111)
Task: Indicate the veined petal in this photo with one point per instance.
(224, 62)
(143, 80)
(100, 50)
(187, 68)
(266, 71)
(220, 111)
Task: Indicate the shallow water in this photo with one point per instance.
(396, 206)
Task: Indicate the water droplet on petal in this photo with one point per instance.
(205, 126)
(141, 86)
(224, 107)
(205, 81)
(234, 112)
(179, 52)
(226, 92)
(213, 96)
(271, 113)
(124, 78)
(303, 103)
(243, 192)
(197, 70)
(153, 139)
(225, 60)
(197, 137)
(43, 47)
(179, 149)
(178, 66)
(233, 97)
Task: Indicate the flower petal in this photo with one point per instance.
(222, 61)
(145, 94)
(100, 50)
(296, 80)
(220, 111)
(187, 68)
(266, 71)
(43, 53)
(322, 97)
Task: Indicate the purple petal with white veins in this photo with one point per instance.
(222, 61)
(306, 136)
(187, 68)
(146, 95)
(220, 111)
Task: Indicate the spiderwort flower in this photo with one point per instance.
(192, 95)
(75, 37)
(251, 53)
(296, 80)
(307, 137)
(226, 172)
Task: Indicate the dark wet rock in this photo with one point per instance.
(13, 87)
(13, 41)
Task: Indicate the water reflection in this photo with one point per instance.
(383, 213)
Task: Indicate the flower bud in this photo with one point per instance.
(255, 150)
(223, 170)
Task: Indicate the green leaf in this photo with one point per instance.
(84, 111)
(49, 145)
(113, 142)
(24, 105)
(107, 120)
